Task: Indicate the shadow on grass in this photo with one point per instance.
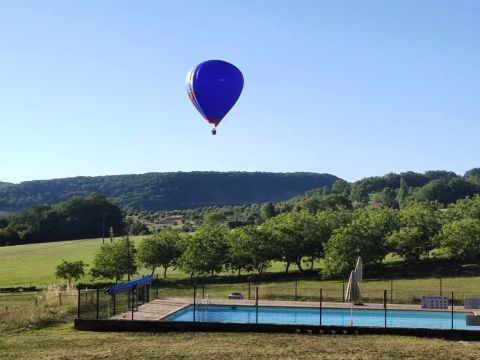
(428, 268)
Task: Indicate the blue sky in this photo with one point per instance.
(352, 88)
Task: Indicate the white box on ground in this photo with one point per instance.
(434, 302)
(471, 304)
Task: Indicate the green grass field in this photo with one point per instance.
(62, 342)
(34, 264)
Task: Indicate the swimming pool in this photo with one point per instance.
(329, 316)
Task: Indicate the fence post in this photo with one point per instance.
(194, 301)
(452, 310)
(98, 306)
(296, 289)
(249, 290)
(36, 302)
(391, 291)
(385, 306)
(78, 302)
(157, 291)
(343, 291)
(203, 291)
(440, 286)
(256, 305)
(114, 304)
(60, 298)
(321, 298)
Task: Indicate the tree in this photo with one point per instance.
(460, 239)
(315, 203)
(446, 191)
(70, 270)
(205, 251)
(386, 197)
(213, 218)
(341, 187)
(78, 218)
(407, 243)
(249, 249)
(115, 260)
(267, 211)
(161, 249)
(294, 236)
(419, 223)
(84, 216)
(473, 176)
(359, 193)
(469, 207)
(135, 226)
(402, 193)
(364, 236)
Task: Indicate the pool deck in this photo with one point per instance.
(162, 307)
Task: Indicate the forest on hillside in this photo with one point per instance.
(166, 191)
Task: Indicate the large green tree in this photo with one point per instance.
(115, 260)
(419, 223)
(469, 207)
(205, 251)
(160, 250)
(460, 239)
(364, 236)
(294, 236)
(249, 249)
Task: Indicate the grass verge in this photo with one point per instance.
(62, 342)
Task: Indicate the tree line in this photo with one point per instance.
(79, 218)
(336, 235)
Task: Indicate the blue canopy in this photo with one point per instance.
(128, 286)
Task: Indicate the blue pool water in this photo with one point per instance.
(311, 316)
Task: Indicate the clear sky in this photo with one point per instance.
(352, 88)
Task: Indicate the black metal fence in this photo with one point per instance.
(97, 304)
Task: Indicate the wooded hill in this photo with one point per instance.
(4, 184)
(167, 191)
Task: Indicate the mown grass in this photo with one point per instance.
(34, 264)
(63, 342)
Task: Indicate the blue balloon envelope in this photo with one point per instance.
(214, 87)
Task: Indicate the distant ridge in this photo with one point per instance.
(4, 184)
(167, 191)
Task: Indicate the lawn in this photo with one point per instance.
(63, 342)
(34, 264)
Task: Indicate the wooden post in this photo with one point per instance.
(296, 289)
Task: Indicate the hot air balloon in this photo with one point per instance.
(214, 86)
